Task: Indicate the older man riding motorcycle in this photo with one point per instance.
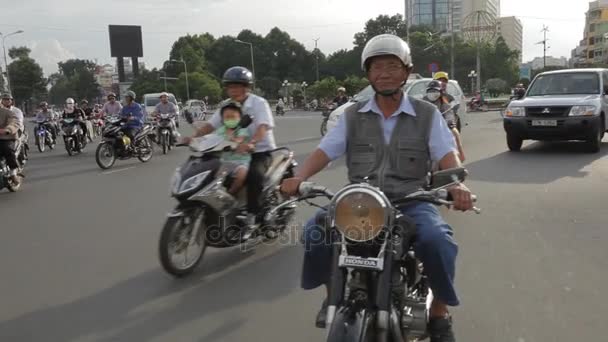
(389, 142)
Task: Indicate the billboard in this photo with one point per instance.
(525, 72)
(125, 41)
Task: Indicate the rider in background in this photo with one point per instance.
(133, 115)
(112, 107)
(341, 98)
(48, 117)
(435, 94)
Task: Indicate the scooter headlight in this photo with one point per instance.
(192, 182)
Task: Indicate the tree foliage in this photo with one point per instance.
(75, 79)
(27, 79)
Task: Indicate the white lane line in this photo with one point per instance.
(118, 170)
(300, 140)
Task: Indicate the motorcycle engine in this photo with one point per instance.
(414, 318)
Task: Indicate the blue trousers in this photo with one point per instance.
(435, 247)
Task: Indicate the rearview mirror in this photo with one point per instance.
(449, 176)
(246, 120)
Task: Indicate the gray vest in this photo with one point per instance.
(398, 168)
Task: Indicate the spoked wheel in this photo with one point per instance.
(105, 156)
(144, 153)
(182, 244)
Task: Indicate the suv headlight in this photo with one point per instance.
(515, 112)
(582, 111)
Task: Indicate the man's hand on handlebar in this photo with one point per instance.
(462, 197)
(291, 186)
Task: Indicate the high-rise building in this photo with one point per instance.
(594, 47)
(511, 30)
(434, 13)
(490, 6)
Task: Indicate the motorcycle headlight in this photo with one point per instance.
(360, 214)
(192, 182)
(582, 111)
(515, 112)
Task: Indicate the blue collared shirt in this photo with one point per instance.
(441, 141)
(134, 109)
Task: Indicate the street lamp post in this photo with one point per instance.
(186, 70)
(252, 62)
(304, 85)
(8, 77)
(286, 85)
(472, 76)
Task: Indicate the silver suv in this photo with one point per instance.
(561, 105)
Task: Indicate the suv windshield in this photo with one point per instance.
(153, 101)
(566, 84)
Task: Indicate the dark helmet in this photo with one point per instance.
(239, 75)
(130, 94)
(111, 95)
(7, 96)
(84, 101)
(434, 85)
(43, 104)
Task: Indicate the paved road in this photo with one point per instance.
(79, 260)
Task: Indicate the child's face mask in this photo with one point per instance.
(231, 123)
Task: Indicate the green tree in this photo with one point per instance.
(381, 24)
(201, 84)
(149, 81)
(354, 84)
(61, 89)
(193, 50)
(496, 86)
(76, 79)
(27, 79)
(325, 88)
(70, 67)
(270, 86)
(19, 52)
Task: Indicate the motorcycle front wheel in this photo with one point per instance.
(323, 128)
(11, 186)
(69, 146)
(105, 156)
(147, 154)
(178, 237)
(163, 143)
(41, 143)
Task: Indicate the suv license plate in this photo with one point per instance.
(544, 122)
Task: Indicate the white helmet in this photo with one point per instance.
(386, 44)
(69, 100)
(342, 89)
(164, 94)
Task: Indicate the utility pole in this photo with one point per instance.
(544, 42)
(407, 21)
(452, 72)
(317, 56)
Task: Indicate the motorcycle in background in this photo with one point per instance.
(165, 132)
(73, 136)
(43, 136)
(325, 116)
(115, 144)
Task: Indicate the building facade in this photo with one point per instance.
(511, 30)
(434, 13)
(538, 62)
(490, 6)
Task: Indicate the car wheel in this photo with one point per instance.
(514, 143)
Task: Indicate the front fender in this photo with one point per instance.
(351, 327)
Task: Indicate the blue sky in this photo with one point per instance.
(61, 29)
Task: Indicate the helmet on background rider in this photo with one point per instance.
(237, 75)
(9, 97)
(84, 102)
(386, 45)
(43, 104)
(341, 90)
(439, 75)
(163, 94)
(130, 94)
(111, 96)
(433, 90)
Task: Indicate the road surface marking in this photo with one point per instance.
(119, 170)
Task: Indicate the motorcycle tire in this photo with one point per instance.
(144, 158)
(168, 239)
(359, 326)
(69, 147)
(324, 128)
(163, 143)
(41, 144)
(112, 156)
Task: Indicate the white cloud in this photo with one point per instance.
(48, 53)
